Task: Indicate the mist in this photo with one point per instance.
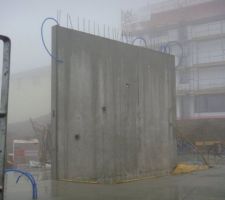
(21, 21)
(127, 90)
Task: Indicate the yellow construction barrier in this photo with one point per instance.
(184, 168)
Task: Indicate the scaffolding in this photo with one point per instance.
(167, 5)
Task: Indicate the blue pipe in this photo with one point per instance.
(140, 38)
(167, 49)
(29, 176)
(43, 41)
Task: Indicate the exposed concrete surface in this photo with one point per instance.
(112, 105)
(204, 185)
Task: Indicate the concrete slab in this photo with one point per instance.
(112, 109)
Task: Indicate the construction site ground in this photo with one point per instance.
(207, 184)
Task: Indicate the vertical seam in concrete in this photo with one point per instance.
(56, 104)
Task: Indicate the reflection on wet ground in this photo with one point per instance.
(207, 185)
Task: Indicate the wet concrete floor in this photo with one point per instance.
(207, 185)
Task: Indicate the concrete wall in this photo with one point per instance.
(112, 105)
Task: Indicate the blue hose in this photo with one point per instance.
(42, 38)
(167, 49)
(29, 176)
(140, 38)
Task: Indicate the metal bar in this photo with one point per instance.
(69, 21)
(94, 27)
(4, 108)
(104, 30)
(89, 24)
(78, 23)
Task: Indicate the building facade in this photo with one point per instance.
(194, 31)
(25, 151)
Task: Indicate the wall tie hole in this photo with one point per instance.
(77, 137)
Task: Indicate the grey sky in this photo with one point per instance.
(21, 21)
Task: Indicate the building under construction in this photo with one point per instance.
(194, 31)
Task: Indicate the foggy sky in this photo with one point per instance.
(21, 21)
